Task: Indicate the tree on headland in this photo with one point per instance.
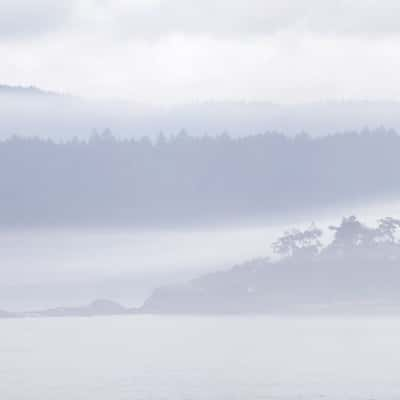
(296, 242)
(350, 237)
(387, 229)
(350, 234)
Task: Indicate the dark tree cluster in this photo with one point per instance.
(350, 237)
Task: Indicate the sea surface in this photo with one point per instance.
(205, 357)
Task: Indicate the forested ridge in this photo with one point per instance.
(184, 179)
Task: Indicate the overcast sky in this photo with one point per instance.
(175, 51)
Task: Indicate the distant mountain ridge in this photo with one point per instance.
(25, 90)
(53, 115)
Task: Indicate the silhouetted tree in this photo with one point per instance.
(299, 243)
(161, 139)
(387, 229)
(351, 234)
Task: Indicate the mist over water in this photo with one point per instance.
(199, 200)
(51, 267)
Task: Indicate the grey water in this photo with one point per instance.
(200, 358)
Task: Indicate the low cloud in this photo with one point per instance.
(231, 18)
(25, 18)
(217, 18)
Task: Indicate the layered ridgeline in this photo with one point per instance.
(57, 116)
(358, 271)
(187, 180)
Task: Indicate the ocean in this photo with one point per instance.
(200, 358)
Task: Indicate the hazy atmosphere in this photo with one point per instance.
(164, 52)
(199, 200)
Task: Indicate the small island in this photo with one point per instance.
(357, 272)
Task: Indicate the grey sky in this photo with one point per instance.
(163, 51)
(22, 19)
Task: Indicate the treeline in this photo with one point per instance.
(184, 179)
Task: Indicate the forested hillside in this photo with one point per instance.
(183, 179)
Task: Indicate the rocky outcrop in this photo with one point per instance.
(96, 308)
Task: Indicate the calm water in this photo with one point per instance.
(199, 358)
